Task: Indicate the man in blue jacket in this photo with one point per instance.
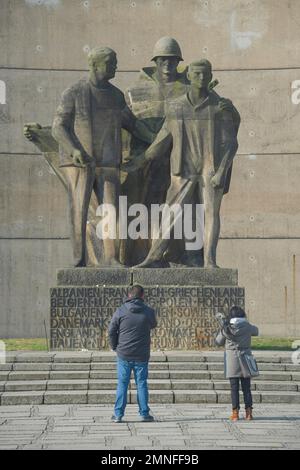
(129, 335)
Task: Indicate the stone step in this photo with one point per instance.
(165, 356)
(153, 384)
(153, 366)
(173, 374)
(155, 397)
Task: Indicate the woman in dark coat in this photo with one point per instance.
(236, 334)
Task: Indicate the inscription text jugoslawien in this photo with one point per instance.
(186, 315)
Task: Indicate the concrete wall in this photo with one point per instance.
(254, 48)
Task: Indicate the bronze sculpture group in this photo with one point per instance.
(181, 138)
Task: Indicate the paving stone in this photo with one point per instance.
(79, 384)
(225, 397)
(96, 374)
(292, 367)
(214, 357)
(103, 396)
(72, 357)
(10, 357)
(98, 366)
(28, 375)
(281, 397)
(2, 386)
(185, 375)
(103, 357)
(82, 366)
(158, 357)
(187, 366)
(271, 367)
(34, 357)
(69, 375)
(155, 384)
(287, 359)
(25, 385)
(187, 357)
(5, 367)
(195, 396)
(244, 445)
(104, 384)
(276, 386)
(159, 374)
(192, 384)
(268, 359)
(32, 366)
(3, 376)
(296, 376)
(213, 366)
(155, 396)
(22, 398)
(223, 385)
(62, 397)
(8, 447)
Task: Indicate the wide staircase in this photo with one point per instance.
(174, 377)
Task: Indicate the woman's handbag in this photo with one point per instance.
(248, 364)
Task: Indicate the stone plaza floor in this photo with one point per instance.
(185, 427)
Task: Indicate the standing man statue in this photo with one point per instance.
(87, 127)
(202, 138)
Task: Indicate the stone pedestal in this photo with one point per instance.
(185, 301)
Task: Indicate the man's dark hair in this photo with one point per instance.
(237, 312)
(136, 291)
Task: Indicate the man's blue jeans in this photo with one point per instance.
(140, 370)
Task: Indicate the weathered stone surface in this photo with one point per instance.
(79, 384)
(185, 315)
(25, 385)
(224, 385)
(104, 384)
(103, 356)
(72, 357)
(25, 298)
(103, 366)
(195, 396)
(155, 384)
(5, 367)
(179, 277)
(32, 366)
(276, 386)
(93, 277)
(22, 398)
(173, 356)
(271, 367)
(62, 397)
(201, 375)
(106, 374)
(281, 397)
(103, 396)
(225, 397)
(182, 384)
(274, 376)
(81, 366)
(34, 357)
(292, 367)
(28, 375)
(157, 396)
(68, 375)
(192, 366)
(237, 33)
